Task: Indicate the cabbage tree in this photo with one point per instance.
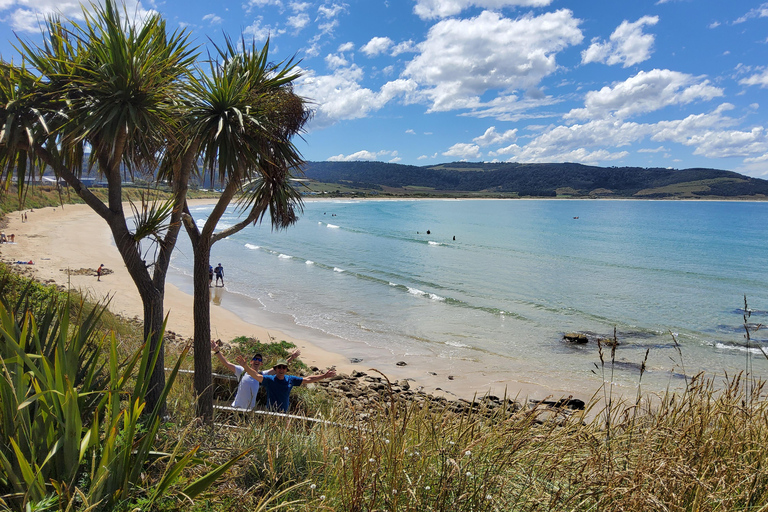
(241, 121)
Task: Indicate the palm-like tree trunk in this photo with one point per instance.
(202, 321)
(202, 241)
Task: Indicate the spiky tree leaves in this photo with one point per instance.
(114, 87)
(244, 117)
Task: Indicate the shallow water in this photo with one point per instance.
(368, 280)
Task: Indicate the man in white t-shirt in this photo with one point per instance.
(248, 387)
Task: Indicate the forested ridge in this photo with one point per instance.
(543, 180)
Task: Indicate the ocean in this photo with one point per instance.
(484, 290)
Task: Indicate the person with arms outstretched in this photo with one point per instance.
(248, 387)
(279, 385)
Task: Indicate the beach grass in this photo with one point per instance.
(701, 449)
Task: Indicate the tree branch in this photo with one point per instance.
(81, 190)
(256, 212)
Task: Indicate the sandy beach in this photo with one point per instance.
(73, 237)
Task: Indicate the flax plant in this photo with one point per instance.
(73, 432)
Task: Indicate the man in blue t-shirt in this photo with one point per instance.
(247, 387)
(279, 385)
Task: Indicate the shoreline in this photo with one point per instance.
(75, 237)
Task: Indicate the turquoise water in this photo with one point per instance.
(365, 278)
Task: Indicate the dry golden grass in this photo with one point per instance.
(699, 450)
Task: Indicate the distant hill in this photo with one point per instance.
(537, 180)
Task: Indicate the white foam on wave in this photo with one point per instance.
(309, 262)
(751, 350)
(337, 269)
(430, 242)
(220, 226)
(421, 293)
(333, 226)
(456, 344)
(252, 247)
(284, 256)
(392, 284)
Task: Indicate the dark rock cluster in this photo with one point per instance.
(364, 393)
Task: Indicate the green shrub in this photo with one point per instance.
(73, 430)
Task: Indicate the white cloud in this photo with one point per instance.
(510, 108)
(364, 155)
(251, 4)
(409, 131)
(328, 27)
(492, 138)
(346, 47)
(430, 9)
(660, 149)
(298, 21)
(29, 16)
(299, 6)
(404, 47)
(340, 95)
(711, 135)
(331, 11)
(376, 46)
(760, 79)
(645, 92)
(379, 45)
(335, 61)
(462, 60)
(261, 33)
(757, 12)
(628, 45)
(212, 19)
(360, 155)
(726, 144)
(313, 50)
(464, 150)
(588, 141)
(512, 149)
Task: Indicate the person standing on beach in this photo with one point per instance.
(219, 271)
(99, 271)
(210, 275)
(248, 387)
(279, 385)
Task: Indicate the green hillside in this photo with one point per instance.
(530, 180)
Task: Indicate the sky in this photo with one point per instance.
(662, 83)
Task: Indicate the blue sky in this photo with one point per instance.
(667, 83)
